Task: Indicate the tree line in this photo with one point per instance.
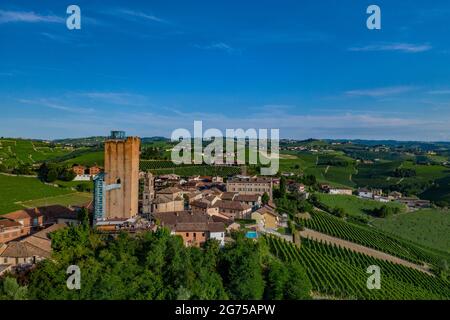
(157, 265)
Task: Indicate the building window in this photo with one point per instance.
(203, 234)
(195, 235)
(187, 234)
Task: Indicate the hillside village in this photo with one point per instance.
(296, 207)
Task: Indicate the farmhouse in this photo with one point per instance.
(341, 191)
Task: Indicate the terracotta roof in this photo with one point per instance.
(228, 195)
(57, 211)
(169, 190)
(44, 234)
(200, 204)
(226, 221)
(216, 227)
(247, 197)
(165, 198)
(232, 205)
(173, 218)
(190, 226)
(52, 211)
(15, 249)
(41, 240)
(267, 210)
(200, 226)
(9, 224)
(22, 214)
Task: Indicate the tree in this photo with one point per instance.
(83, 217)
(52, 175)
(298, 286)
(11, 290)
(277, 277)
(282, 186)
(339, 212)
(241, 269)
(265, 198)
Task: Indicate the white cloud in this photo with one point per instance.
(401, 47)
(55, 105)
(29, 17)
(121, 98)
(217, 46)
(439, 92)
(143, 15)
(380, 92)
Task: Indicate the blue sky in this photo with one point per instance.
(309, 68)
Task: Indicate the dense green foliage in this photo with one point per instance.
(158, 266)
(50, 172)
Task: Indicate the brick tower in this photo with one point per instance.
(121, 175)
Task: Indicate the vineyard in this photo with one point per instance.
(166, 167)
(15, 152)
(333, 226)
(341, 273)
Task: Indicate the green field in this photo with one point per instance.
(430, 228)
(353, 205)
(76, 198)
(309, 163)
(14, 189)
(88, 159)
(14, 152)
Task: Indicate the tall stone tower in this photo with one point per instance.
(121, 176)
(149, 192)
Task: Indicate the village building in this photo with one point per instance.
(266, 217)
(395, 195)
(28, 251)
(340, 191)
(250, 185)
(194, 228)
(365, 193)
(233, 209)
(415, 203)
(10, 230)
(252, 200)
(84, 173)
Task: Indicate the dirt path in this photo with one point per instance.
(308, 233)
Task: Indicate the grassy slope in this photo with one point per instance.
(430, 228)
(16, 151)
(337, 176)
(77, 198)
(14, 189)
(88, 159)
